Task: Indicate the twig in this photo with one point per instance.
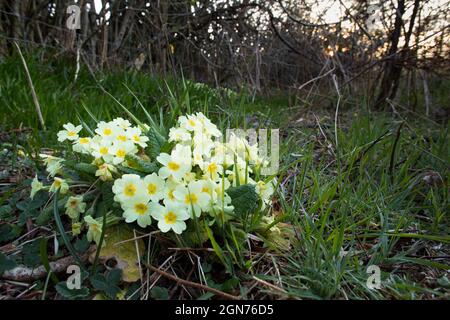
(136, 238)
(33, 92)
(337, 110)
(191, 249)
(26, 291)
(272, 286)
(194, 284)
(316, 78)
(23, 273)
(139, 257)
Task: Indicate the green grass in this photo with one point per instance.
(380, 197)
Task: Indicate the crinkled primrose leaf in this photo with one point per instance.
(139, 164)
(243, 198)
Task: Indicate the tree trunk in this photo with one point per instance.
(391, 67)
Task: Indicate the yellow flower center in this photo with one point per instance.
(173, 166)
(121, 153)
(262, 186)
(151, 188)
(212, 168)
(170, 218)
(103, 150)
(136, 138)
(84, 140)
(73, 203)
(192, 198)
(129, 190)
(57, 183)
(71, 133)
(191, 122)
(122, 138)
(107, 131)
(206, 190)
(141, 208)
(171, 196)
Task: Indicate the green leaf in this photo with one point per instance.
(107, 194)
(82, 245)
(207, 267)
(133, 291)
(67, 293)
(230, 284)
(63, 232)
(141, 165)
(219, 252)
(108, 283)
(6, 263)
(9, 232)
(206, 296)
(5, 211)
(442, 281)
(86, 168)
(46, 214)
(159, 293)
(244, 199)
(126, 170)
(155, 143)
(31, 254)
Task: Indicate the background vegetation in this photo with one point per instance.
(364, 157)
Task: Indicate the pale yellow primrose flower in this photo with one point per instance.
(221, 200)
(137, 209)
(107, 130)
(222, 203)
(60, 184)
(36, 185)
(192, 197)
(95, 229)
(243, 177)
(76, 228)
(121, 137)
(190, 123)
(175, 165)
(101, 149)
(82, 145)
(74, 206)
(119, 150)
(203, 144)
(53, 164)
(128, 187)
(105, 171)
(169, 217)
(188, 177)
(208, 188)
(135, 134)
(222, 155)
(212, 169)
(179, 135)
(120, 122)
(169, 190)
(197, 157)
(265, 191)
(71, 132)
(155, 186)
(209, 128)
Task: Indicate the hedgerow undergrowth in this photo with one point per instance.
(374, 192)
